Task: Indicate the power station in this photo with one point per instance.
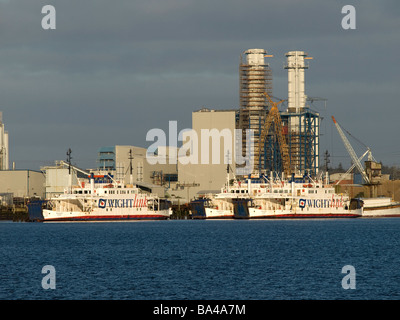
(4, 148)
(298, 129)
(281, 140)
(255, 81)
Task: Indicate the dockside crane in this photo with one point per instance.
(352, 153)
(373, 167)
(274, 117)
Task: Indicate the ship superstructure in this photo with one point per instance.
(101, 197)
(296, 197)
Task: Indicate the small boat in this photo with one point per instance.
(380, 207)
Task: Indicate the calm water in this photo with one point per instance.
(296, 259)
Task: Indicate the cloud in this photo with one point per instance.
(111, 71)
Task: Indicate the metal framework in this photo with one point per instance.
(274, 118)
(302, 130)
(301, 134)
(255, 80)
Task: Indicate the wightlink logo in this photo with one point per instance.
(123, 203)
(321, 203)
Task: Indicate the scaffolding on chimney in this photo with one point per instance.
(255, 80)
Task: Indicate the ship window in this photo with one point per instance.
(105, 191)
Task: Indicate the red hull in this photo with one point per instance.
(111, 218)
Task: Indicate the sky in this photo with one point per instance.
(113, 70)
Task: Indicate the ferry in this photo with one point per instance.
(298, 198)
(263, 198)
(211, 207)
(105, 201)
(380, 207)
(219, 205)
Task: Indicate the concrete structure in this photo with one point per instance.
(296, 81)
(117, 160)
(300, 123)
(215, 130)
(344, 178)
(4, 147)
(22, 183)
(57, 179)
(255, 81)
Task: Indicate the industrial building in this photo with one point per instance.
(255, 80)
(215, 149)
(4, 147)
(300, 125)
(57, 179)
(16, 185)
(298, 129)
(22, 183)
(118, 159)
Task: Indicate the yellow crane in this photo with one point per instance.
(274, 117)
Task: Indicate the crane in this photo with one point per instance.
(350, 150)
(274, 116)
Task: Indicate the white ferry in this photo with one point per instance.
(303, 198)
(106, 201)
(380, 207)
(212, 207)
(219, 205)
(263, 198)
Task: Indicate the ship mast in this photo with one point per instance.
(130, 166)
(69, 170)
(227, 171)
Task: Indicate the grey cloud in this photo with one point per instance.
(112, 70)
